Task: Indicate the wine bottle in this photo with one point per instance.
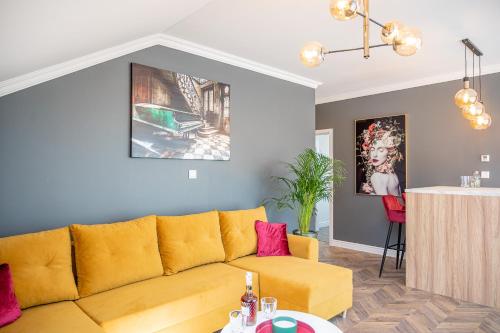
(249, 302)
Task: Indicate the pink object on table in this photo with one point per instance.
(267, 327)
(271, 239)
(9, 307)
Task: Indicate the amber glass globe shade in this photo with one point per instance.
(344, 9)
(472, 111)
(407, 42)
(466, 96)
(390, 31)
(481, 122)
(312, 54)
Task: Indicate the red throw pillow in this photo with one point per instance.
(9, 307)
(271, 239)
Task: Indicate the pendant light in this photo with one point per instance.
(482, 120)
(405, 41)
(467, 99)
(466, 96)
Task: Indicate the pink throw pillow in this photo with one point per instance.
(271, 239)
(9, 307)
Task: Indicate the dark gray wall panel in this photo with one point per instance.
(64, 147)
(441, 147)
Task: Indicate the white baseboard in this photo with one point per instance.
(362, 247)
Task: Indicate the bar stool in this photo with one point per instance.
(395, 213)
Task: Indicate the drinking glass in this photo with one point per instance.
(465, 181)
(268, 306)
(237, 321)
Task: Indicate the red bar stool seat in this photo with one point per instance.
(395, 213)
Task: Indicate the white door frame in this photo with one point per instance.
(329, 131)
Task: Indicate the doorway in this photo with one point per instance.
(324, 209)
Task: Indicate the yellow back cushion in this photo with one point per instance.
(238, 231)
(112, 255)
(41, 266)
(189, 241)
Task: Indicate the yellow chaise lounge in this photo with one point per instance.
(162, 274)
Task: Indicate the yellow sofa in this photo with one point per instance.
(117, 282)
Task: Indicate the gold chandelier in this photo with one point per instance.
(405, 41)
(467, 99)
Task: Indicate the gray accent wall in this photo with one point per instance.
(441, 147)
(64, 147)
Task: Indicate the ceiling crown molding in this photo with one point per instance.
(402, 85)
(48, 73)
(230, 59)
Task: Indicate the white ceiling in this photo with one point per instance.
(39, 33)
(36, 34)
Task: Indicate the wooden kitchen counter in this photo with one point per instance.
(453, 242)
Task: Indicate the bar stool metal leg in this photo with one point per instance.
(398, 246)
(403, 254)
(385, 248)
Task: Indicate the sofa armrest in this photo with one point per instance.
(303, 247)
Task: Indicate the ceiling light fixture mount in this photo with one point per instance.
(405, 41)
(467, 99)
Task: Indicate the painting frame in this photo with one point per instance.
(174, 115)
(401, 167)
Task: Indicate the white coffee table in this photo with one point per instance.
(319, 324)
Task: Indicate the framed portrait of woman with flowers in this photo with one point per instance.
(381, 155)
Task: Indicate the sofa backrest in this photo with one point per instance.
(108, 256)
(238, 231)
(41, 266)
(112, 255)
(190, 240)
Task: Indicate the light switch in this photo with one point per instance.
(192, 174)
(485, 158)
(485, 174)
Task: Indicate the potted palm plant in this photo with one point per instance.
(314, 177)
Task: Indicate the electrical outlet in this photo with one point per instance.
(485, 174)
(192, 174)
(485, 158)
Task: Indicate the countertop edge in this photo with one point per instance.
(450, 190)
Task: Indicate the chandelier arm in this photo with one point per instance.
(355, 49)
(372, 20)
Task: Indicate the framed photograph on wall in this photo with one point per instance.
(381, 155)
(180, 116)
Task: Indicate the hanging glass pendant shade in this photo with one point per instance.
(466, 96)
(481, 122)
(312, 54)
(390, 31)
(407, 42)
(344, 9)
(472, 111)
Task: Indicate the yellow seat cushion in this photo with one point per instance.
(302, 285)
(112, 255)
(238, 231)
(63, 317)
(41, 266)
(167, 302)
(189, 241)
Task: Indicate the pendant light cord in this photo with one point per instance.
(465, 56)
(480, 85)
(473, 71)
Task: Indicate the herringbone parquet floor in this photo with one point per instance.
(386, 305)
